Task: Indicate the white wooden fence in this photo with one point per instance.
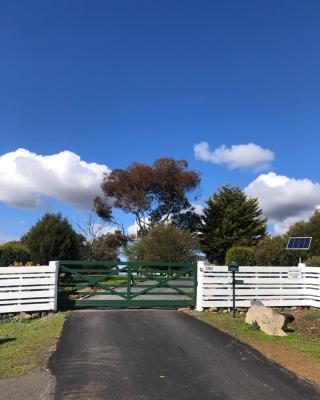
(35, 288)
(28, 288)
(273, 286)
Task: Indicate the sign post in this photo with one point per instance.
(234, 267)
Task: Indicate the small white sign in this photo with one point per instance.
(294, 274)
(208, 268)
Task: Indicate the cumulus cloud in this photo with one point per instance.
(27, 179)
(285, 200)
(243, 156)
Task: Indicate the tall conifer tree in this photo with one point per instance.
(230, 218)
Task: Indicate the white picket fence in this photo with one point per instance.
(273, 286)
(28, 288)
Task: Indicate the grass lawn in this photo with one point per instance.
(25, 343)
(299, 351)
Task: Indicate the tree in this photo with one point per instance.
(102, 242)
(14, 252)
(157, 193)
(272, 251)
(243, 255)
(230, 219)
(313, 261)
(308, 228)
(105, 247)
(53, 238)
(165, 242)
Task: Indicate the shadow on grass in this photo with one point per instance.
(6, 340)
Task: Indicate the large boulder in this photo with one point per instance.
(268, 320)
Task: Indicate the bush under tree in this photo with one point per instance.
(230, 219)
(14, 252)
(165, 243)
(243, 255)
(272, 251)
(53, 238)
(313, 261)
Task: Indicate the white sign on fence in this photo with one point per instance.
(295, 273)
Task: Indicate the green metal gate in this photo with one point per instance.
(85, 284)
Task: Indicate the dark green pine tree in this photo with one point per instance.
(53, 238)
(230, 219)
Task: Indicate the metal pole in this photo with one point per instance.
(233, 294)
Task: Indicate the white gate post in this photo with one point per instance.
(200, 270)
(56, 265)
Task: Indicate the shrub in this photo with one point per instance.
(313, 261)
(272, 251)
(243, 255)
(11, 253)
(165, 243)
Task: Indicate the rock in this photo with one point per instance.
(213, 309)
(269, 321)
(24, 315)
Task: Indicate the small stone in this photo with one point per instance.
(213, 309)
(24, 315)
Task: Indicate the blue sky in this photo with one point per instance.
(121, 81)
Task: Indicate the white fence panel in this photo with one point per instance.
(28, 288)
(273, 286)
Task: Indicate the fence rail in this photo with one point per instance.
(274, 286)
(28, 288)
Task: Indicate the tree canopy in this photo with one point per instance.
(165, 242)
(53, 238)
(156, 193)
(11, 252)
(272, 251)
(230, 219)
(105, 247)
(308, 228)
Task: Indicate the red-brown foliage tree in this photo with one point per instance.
(151, 193)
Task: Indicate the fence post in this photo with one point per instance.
(56, 274)
(200, 270)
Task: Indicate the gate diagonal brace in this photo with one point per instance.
(96, 284)
(162, 283)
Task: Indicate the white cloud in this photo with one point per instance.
(198, 209)
(26, 179)
(244, 156)
(285, 200)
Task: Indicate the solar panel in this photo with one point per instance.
(299, 243)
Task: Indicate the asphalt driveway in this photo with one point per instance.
(163, 355)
